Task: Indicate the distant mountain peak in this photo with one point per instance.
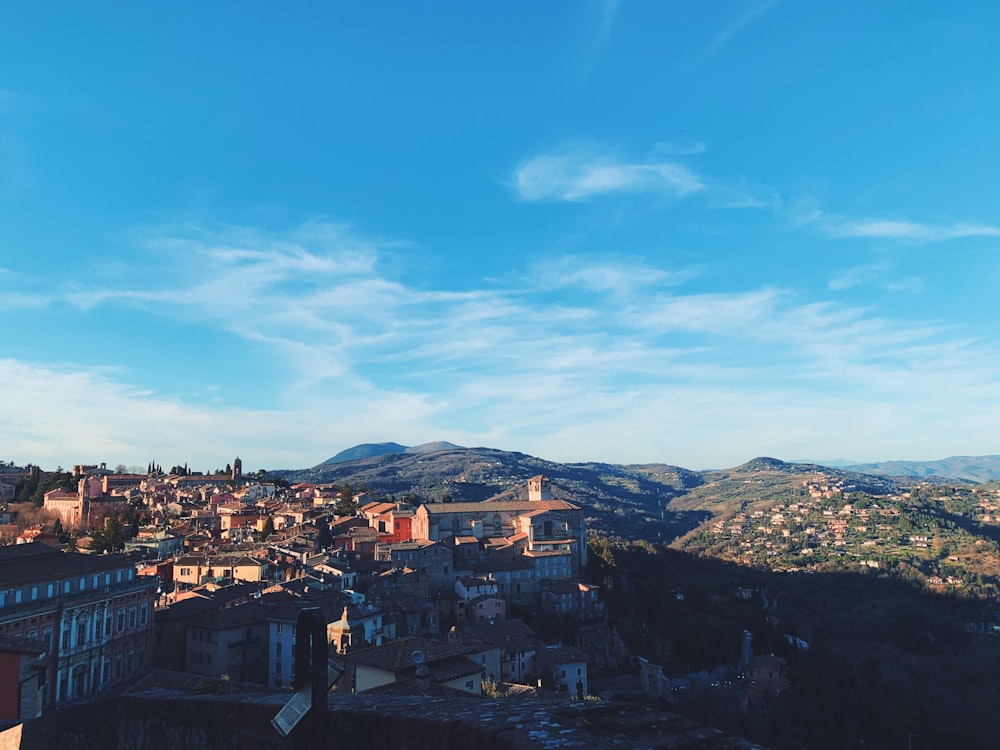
(365, 450)
(373, 450)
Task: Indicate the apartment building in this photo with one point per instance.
(91, 613)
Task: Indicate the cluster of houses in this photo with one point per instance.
(214, 587)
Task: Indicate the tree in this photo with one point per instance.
(345, 502)
(111, 538)
(268, 529)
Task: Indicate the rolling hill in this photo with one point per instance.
(658, 502)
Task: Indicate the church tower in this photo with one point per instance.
(538, 489)
(237, 469)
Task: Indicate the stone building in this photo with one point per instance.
(91, 613)
(542, 525)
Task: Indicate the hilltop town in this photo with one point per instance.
(122, 577)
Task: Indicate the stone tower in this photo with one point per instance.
(538, 489)
(237, 469)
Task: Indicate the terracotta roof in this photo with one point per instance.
(498, 505)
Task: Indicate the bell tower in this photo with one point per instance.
(539, 489)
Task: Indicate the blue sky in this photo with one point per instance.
(625, 231)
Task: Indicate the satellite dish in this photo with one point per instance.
(418, 657)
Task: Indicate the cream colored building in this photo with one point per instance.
(68, 505)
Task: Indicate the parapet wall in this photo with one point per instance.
(243, 722)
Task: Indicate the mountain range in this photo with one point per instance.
(651, 501)
(969, 468)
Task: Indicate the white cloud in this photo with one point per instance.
(809, 213)
(583, 173)
(856, 276)
(576, 175)
(578, 357)
(611, 274)
(908, 230)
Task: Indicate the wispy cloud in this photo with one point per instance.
(808, 213)
(600, 21)
(616, 275)
(849, 278)
(735, 27)
(586, 172)
(604, 357)
(908, 230)
(579, 174)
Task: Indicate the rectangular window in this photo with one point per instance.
(144, 613)
(277, 649)
(83, 584)
(118, 576)
(132, 618)
(120, 625)
(34, 593)
(107, 624)
(51, 590)
(118, 667)
(47, 637)
(95, 582)
(81, 632)
(142, 658)
(17, 596)
(3, 598)
(277, 628)
(130, 663)
(66, 587)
